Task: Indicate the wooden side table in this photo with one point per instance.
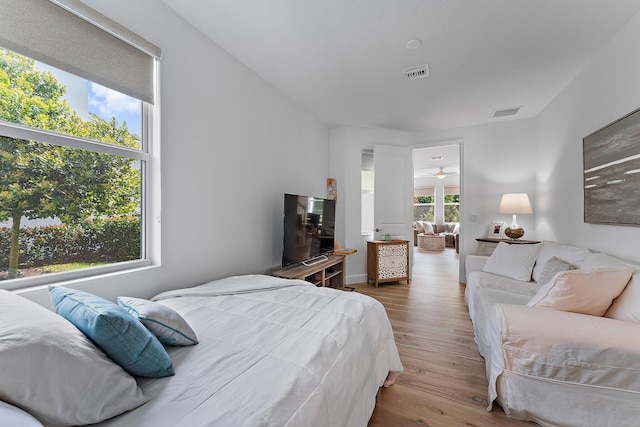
(431, 242)
(387, 261)
(486, 245)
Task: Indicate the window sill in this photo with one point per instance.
(29, 284)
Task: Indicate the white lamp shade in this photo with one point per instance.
(515, 203)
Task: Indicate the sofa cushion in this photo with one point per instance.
(512, 260)
(484, 300)
(627, 306)
(582, 292)
(482, 279)
(553, 266)
(600, 261)
(571, 254)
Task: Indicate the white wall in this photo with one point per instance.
(496, 159)
(231, 146)
(346, 145)
(607, 89)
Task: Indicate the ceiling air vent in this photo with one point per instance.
(504, 112)
(417, 72)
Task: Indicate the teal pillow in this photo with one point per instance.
(123, 338)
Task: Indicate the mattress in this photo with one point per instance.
(271, 352)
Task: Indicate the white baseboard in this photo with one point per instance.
(357, 278)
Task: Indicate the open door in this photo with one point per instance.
(393, 189)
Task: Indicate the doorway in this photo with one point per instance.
(437, 202)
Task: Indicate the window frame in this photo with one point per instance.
(148, 155)
(432, 204)
(445, 204)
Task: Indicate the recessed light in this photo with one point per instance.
(414, 44)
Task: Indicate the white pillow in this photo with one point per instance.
(513, 260)
(13, 416)
(164, 322)
(581, 292)
(51, 370)
(428, 228)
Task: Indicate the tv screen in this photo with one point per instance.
(309, 228)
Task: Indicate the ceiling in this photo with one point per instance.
(428, 161)
(344, 60)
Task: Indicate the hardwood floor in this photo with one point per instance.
(444, 382)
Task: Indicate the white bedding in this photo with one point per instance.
(272, 352)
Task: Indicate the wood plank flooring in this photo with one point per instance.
(444, 382)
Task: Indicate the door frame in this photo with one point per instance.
(460, 143)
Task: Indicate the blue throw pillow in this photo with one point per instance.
(123, 338)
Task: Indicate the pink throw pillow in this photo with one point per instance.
(580, 292)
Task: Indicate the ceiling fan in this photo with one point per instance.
(441, 174)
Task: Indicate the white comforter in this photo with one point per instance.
(272, 352)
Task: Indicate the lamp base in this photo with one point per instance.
(514, 233)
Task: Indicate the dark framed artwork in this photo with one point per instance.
(611, 159)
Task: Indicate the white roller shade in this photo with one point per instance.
(71, 36)
(451, 190)
(423, 191)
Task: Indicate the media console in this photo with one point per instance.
(329, 273)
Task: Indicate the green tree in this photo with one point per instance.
(452, 212)
(40, 180)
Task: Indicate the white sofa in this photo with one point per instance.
(546, 360)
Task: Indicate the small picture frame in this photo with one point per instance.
(497, 230)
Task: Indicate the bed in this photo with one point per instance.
(271, 352)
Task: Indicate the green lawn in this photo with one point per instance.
(70, 266)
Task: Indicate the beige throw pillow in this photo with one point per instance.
(627, 305)
(580, 292)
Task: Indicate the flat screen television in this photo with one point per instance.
(309, 228)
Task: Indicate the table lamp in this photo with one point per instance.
(515, 203)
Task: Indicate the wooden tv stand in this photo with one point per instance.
(329, 273)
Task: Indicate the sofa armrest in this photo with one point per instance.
(563, 347)
(474, 263)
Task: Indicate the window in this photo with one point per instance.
(424, 204)
(75, 155)
(452, 204)
(367, 194)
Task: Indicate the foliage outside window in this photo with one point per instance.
(423, 208)
(72, 191)
(452, 208)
